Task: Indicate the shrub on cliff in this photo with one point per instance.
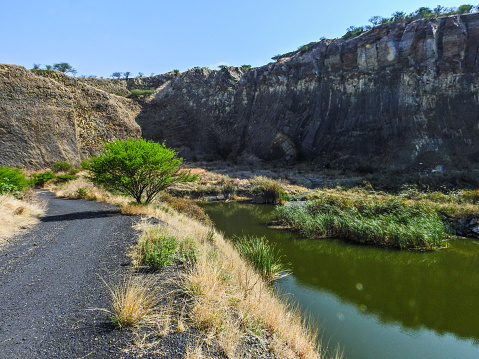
(138, 168)
(136, 93)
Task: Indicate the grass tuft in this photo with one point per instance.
(131, 301)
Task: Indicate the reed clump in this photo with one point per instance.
(379, 220)
(263, 255)
(266, 190)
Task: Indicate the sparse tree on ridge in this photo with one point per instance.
(116, 75)
(64, 67)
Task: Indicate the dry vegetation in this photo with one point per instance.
(17, 214)
(227, 299)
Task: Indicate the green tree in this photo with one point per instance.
(464, 9)
(138, 168)
(127, 74)
(376, 20)
(398, 16)
(64, 67)
(423, 12)
(116, 75)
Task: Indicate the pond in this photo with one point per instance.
(374, 302)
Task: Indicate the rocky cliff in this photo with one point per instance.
(44, 119)
(398, 96)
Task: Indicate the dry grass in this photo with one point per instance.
(18, 214)
(231, 299)
(132, 299)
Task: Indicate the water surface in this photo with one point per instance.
(374, 302)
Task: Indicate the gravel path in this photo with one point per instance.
(50, 277)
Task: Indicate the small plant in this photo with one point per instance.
(158, 251)
(222, 66)
(263, 255)
(472, 196)
(176, 71)
(188, 251)
(245, 66)
(303, 48)
(39, 179)
(61, 166)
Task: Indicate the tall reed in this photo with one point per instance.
(371, 220)
(263, 255)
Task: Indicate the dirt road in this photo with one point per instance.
(50, 277)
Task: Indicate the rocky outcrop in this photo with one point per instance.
(397, 96)
(57, 118)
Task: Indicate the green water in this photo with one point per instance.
(374, 302)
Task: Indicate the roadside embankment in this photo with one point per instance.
(224, 297)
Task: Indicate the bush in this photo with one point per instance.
(138, 168)
(61, 166)
(11, 180)
(140, 93)
(228, 189)
(268, 191)
(157, 252)
(66, 178)
(39, 179)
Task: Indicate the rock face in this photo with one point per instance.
(57, 118)
(397, 96)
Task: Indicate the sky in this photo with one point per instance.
(100, 37)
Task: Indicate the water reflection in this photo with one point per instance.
(363, 294)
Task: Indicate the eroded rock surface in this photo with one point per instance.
(57, 118)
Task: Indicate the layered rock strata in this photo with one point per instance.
(397, 96)
(57, 118)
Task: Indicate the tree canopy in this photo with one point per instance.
(64, 67)
(138, 168)
(399, 16)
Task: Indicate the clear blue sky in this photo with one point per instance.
(99, 37)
